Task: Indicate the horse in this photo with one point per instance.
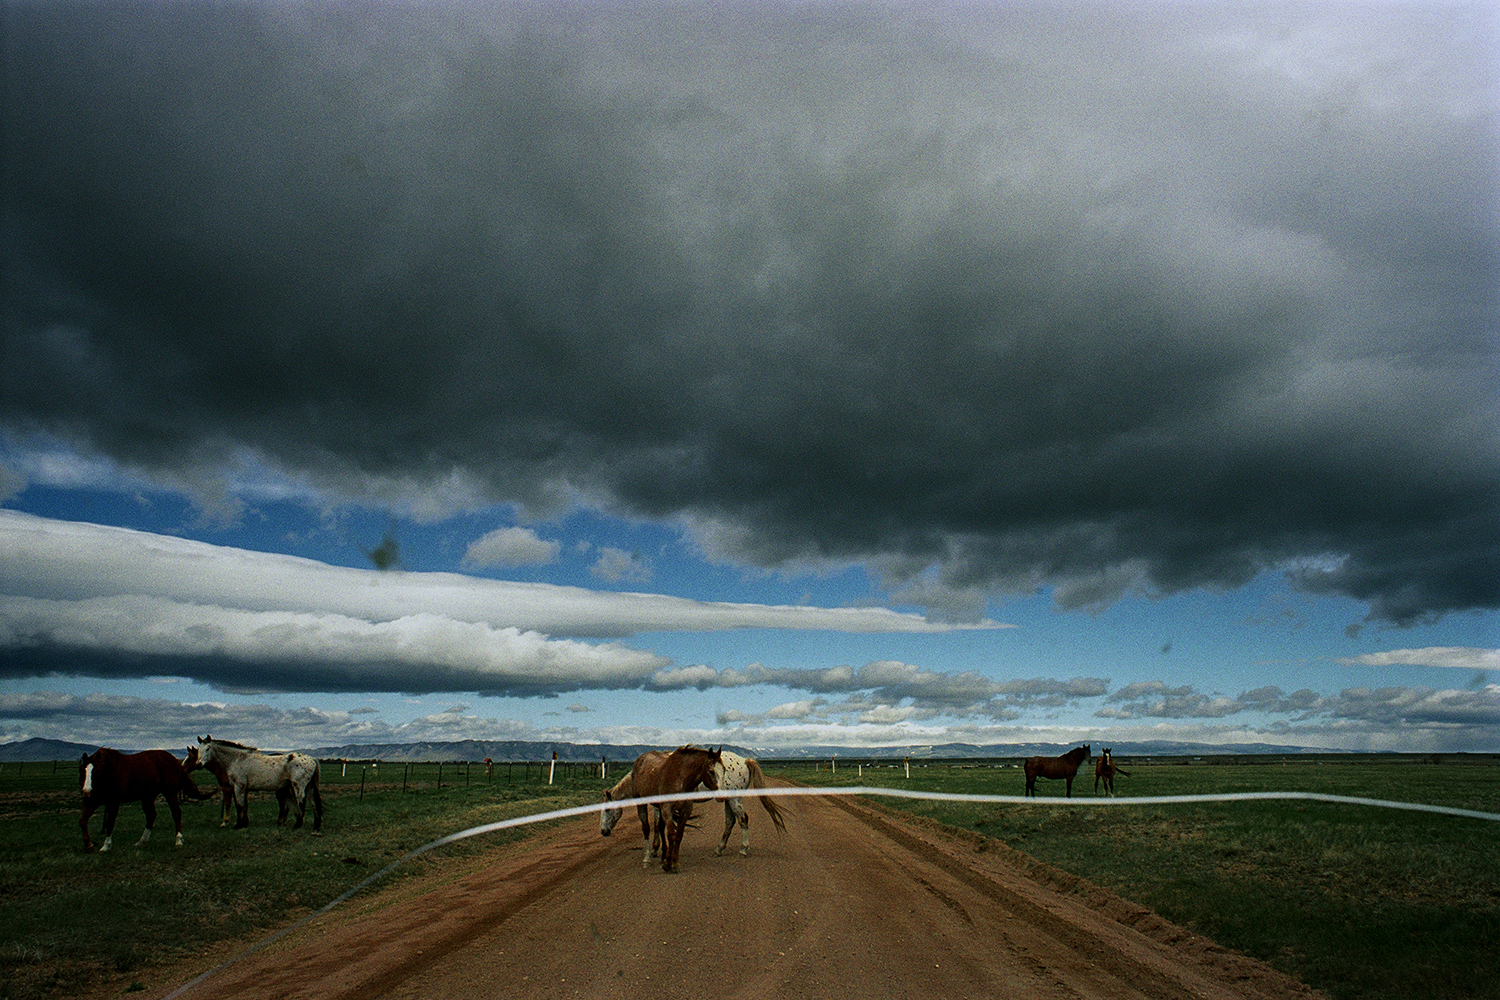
(1064, 767)
(625, 789)
(108, 777)
(289, 774)
(195, 762)
(1106, 768)
(735, 773)
(682, 770)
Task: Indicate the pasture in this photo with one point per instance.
(67, 915)
(1359, 902)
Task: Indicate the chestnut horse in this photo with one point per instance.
(108, 777)
(735, 773)
(1065, 767)
(625, 789)
(682, 770)
(1106, 768)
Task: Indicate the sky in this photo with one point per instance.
(773, 374)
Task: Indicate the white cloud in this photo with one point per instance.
(511, 547)
(617, 566)
(1460, 657)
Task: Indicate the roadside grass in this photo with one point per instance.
(67, 917)
(1360, 902)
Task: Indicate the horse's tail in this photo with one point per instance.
(758, 780)
(317, 798)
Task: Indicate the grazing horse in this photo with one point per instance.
(1064, 767)
(108, 777)
(625, 789)
(735, 773)
(1106, 768)
(293, 774)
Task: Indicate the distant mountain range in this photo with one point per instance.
(36, 749)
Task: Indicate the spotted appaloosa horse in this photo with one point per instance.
(295, 774)
(1064, 767)
(647, 763)
(735, 773)
(108, 777)
(1105, 769)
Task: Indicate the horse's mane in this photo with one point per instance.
(232, 743)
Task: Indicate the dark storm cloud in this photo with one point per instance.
(992, 299)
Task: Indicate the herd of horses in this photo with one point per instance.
(110, 778)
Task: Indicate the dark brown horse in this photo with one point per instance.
(1106, 769)
(684, 770)
(108, 777)
(646, 764)
(1065, 767)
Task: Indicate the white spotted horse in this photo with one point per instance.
(247, 768)
(736, 773)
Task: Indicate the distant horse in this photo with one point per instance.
(735, 773)
(1065, 767)
(646, 763)
(247, 768)
(683, 770)
(1106, 768)
(108, 777)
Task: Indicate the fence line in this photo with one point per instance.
(900, 793)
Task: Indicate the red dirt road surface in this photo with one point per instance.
(854, 902)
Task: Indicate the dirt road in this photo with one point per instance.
(853, 902)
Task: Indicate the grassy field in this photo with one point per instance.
(66, 915)
(1360, 902)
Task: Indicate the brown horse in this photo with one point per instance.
(1106, 768)
(1065, 767)
(684, 770)
(108, 777)
(647, 763)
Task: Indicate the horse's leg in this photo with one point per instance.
(241, 805)
(111, 810)
(284, 803)
(299, 795)
(225, 813)
(176, 807)
(743, 816)
(1069, 781)
(148, 806)
(728, 826)
(83, 822)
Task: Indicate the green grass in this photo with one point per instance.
(67, 915)
(1359, 902)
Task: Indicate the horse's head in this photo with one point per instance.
(1087, 754)
(192, 761)
(86, 774)
(608, 817)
